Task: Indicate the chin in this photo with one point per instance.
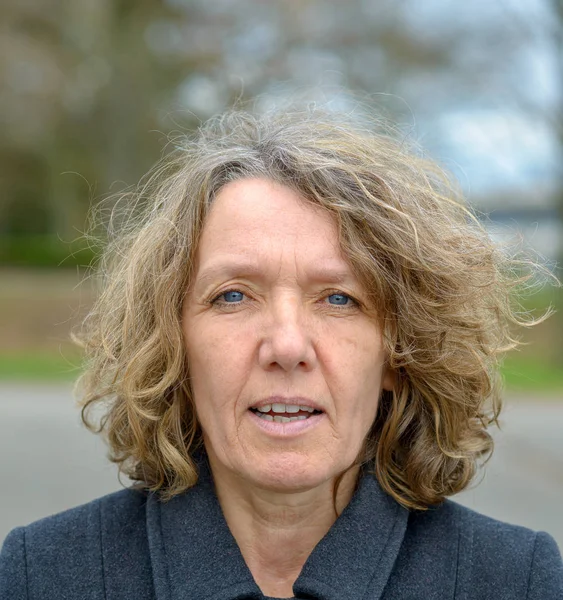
(292, 472)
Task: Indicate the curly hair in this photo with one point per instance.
(442, 290)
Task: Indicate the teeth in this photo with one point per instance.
(280, 419)
(277, 407)
(286, 408)
(266, 417)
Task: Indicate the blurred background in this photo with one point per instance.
(89, 90)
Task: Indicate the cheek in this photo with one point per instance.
(217, 365)
(356, 363)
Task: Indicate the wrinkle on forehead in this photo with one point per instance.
(255, 223)
(228, 267)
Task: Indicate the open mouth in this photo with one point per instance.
(285, 413)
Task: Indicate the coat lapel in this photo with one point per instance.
(195, 557)
(193, 552)
(355, 559)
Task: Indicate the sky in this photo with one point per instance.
(494, 134)
(502, 141)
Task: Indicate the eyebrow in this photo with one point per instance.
(320, 272)
(228, 269)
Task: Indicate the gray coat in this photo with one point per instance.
(130, 546)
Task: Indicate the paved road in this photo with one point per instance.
(49, 462)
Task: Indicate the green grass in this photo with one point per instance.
(38, 367)
(525, 374)
(45, 251)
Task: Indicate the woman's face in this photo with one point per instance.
(286, 365)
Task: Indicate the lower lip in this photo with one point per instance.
(287, 429)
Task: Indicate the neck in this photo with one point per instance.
(276, 531)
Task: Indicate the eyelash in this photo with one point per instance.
(353, 302)
(215, 300)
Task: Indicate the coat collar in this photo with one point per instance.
(195, 557)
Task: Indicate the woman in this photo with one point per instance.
(296, 353)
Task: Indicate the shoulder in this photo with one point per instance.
(74, 525)
(473, 526)
(67, 548)
(494, 559)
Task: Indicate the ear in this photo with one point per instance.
(389, 379)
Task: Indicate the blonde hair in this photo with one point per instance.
(441, 289)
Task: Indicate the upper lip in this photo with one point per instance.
(295, 400)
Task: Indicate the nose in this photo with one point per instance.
(287, 341)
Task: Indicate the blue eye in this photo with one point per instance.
(232, 297)
(339, 299)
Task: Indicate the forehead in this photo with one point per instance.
(255, 217)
